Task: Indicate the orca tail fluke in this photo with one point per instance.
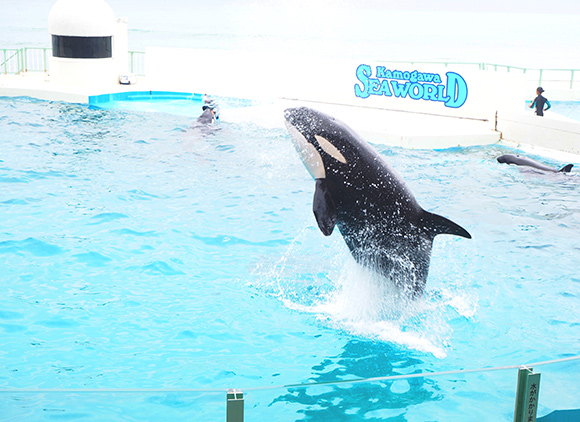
(567, 168)
(437, 224)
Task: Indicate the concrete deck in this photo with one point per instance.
(38, 85)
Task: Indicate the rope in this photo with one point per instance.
(284, 386)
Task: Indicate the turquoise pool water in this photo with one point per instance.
(139, 252)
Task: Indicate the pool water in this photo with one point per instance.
(568, 109)
(141, 252)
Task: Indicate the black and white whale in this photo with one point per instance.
(379, 218)
(525, 161)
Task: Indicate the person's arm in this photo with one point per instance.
(548, 105)
(533, 103)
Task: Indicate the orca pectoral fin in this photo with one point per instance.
(438, 224)
(324, 208)
(566, 168)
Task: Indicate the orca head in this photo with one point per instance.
(321, 140)
(509, 159)
(502, 159)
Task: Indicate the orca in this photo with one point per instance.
(525, 161)
(380, 220)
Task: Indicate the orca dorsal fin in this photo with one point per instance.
(437, 224)
(324, 208)
(566, 168)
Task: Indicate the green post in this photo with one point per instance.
(527, 396)
(235, 406)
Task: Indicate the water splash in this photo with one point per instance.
(365, 304)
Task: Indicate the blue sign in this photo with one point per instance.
(415, 85)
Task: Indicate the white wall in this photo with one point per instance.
(121, 46)
(279, 75)
(82, 72)
(545, 132)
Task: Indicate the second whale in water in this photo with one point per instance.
(528, 162)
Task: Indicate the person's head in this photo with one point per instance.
(539, 90)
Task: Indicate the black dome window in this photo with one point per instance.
(70, 47)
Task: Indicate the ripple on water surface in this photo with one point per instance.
(139, 253)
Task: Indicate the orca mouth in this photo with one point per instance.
(296, 120)
(293, 118)
(288, 113)
(295, 113)
(303, 119)
(307, 152)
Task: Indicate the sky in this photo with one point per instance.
(517, 32)
(511, 6)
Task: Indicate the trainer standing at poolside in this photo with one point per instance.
(540, 101)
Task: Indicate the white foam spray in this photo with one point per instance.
(349, 297)
(365, 303)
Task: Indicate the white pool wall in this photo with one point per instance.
(494, 109)
(549, 132)
(329, 85)
(310, 78)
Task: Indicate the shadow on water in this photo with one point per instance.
(381, 400)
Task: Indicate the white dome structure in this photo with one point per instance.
(82, 18)
(89, 44)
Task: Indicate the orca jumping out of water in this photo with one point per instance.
(525, 161)
(379, 218)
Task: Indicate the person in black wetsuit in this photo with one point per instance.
(210, 103)
(540, 101)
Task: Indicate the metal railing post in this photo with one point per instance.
(527, 395)
(235, 406)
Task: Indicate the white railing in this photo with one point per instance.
(16, 61)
